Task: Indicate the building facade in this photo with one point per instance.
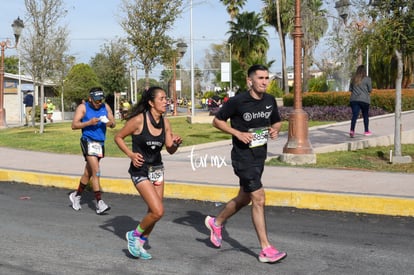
(15, 87)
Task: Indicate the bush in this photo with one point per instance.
(318, 84)
(37, 113)
(328, 113)
(383, 99)
(274, 89)
(319, 99)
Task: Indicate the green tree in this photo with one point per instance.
(110, 66)
(394, 31)
(318, 84)
(274, 89)
(198, 77)
(11, 65)
(143, 83)
(391, 29)
(233, 7)
(81, 78)
(165, 81)
(280, 14)
(314, 25)
(45, 42)
(216, 54)
(64, 64)
(147, 23)
(248, 37)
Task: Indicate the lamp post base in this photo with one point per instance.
(294, 159)
(298, 142)
(3, 123)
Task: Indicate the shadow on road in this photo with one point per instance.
(195, 219)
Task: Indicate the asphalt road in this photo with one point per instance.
(41, 234)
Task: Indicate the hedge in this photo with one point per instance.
(384, 99)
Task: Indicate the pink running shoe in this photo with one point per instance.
(367, 134)
(215, 231)
(351, 134)
(271, 255)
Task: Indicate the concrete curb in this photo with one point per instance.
(381, 205)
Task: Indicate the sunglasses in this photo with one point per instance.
(99, 101)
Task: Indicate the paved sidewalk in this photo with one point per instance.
(204, 172)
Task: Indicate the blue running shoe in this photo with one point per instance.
(136, 246)
(132, 240)
(143, 254)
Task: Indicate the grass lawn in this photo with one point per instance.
(369, 159)
(60, 138)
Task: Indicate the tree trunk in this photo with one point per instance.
(305, 69)
(147, 82)
(42, 112)
(398, 126)
(283, 49)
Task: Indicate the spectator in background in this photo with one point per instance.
(203, 103)
(110, 100)
(50, 108)
(172, 107)
(125, 108)
(28, 106)
(215, 101)
(360, 100)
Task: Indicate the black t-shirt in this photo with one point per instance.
(246, 113)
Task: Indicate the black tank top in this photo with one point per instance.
(149, 146)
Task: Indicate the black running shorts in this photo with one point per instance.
(250, 177)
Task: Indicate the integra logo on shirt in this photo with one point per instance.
(153, 144)
(251, 116)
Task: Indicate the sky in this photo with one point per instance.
(92, 23)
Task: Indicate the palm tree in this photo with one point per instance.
(233, 7)
(248, 36)
(280, 14)
(315, 24)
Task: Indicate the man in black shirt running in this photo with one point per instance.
(254, 117)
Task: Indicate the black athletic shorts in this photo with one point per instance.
(250, 177)
(84, 143)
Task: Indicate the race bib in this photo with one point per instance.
(156, 174)
(94, 149)
(260, 136)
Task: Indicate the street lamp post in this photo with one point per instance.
(298, 149)
(17, 29)
(230, 75)
(180, 51)
(342, 6)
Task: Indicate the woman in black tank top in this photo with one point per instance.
(150, 131)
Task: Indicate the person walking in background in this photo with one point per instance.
(172, 107)
(254, 117)
(125, 106)
(45, 112)
(28, 106)
(50, 108)
(203, 103)
(150, 131)
(360, 100)
(92, 118)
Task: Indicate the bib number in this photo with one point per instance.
(156, 174)
(260, 136)
(94, 149)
